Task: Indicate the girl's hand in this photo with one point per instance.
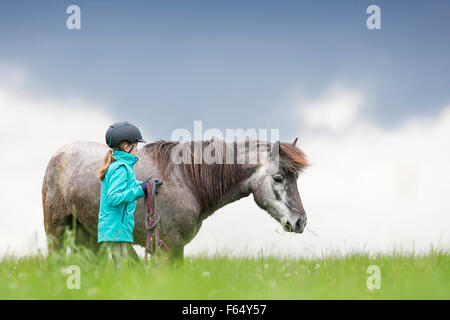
(144, 185)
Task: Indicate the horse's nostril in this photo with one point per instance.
(300, 225)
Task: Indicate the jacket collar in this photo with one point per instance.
(126, 157)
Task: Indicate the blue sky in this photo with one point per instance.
(231, 64)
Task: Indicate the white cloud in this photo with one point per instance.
(12, 76)
(368, 188)
(336, 110)
(32, 131)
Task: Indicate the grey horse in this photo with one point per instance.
(191, 192)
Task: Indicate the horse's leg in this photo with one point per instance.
(85, 238)
(55, 238)
(56, 220)
(176, 256)
(172, 259)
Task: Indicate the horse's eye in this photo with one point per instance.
(278, 178)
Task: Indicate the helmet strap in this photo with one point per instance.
(132, 146)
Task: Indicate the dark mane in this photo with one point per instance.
(208, 182)
(211, 182)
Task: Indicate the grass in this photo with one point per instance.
(403, 276)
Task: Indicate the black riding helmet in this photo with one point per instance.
(121, 131)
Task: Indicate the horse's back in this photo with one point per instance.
(71, 163)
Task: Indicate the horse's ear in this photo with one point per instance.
(275, 150)
(295, 142)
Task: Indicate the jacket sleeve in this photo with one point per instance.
(118, 193)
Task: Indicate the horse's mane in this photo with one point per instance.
(210, 182)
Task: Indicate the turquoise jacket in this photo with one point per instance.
(119, 193)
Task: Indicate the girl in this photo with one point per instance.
(119, 190)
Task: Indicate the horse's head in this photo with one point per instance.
(274, 186)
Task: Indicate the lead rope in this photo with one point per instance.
(151, 221)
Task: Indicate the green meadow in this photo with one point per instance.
(401, 276)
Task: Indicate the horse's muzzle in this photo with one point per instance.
(298, 227)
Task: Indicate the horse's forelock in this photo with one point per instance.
(292, 158)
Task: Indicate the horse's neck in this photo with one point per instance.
(243, 188)
(240, 191)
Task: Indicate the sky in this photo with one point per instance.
(370, 107)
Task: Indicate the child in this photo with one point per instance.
(119, 190)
